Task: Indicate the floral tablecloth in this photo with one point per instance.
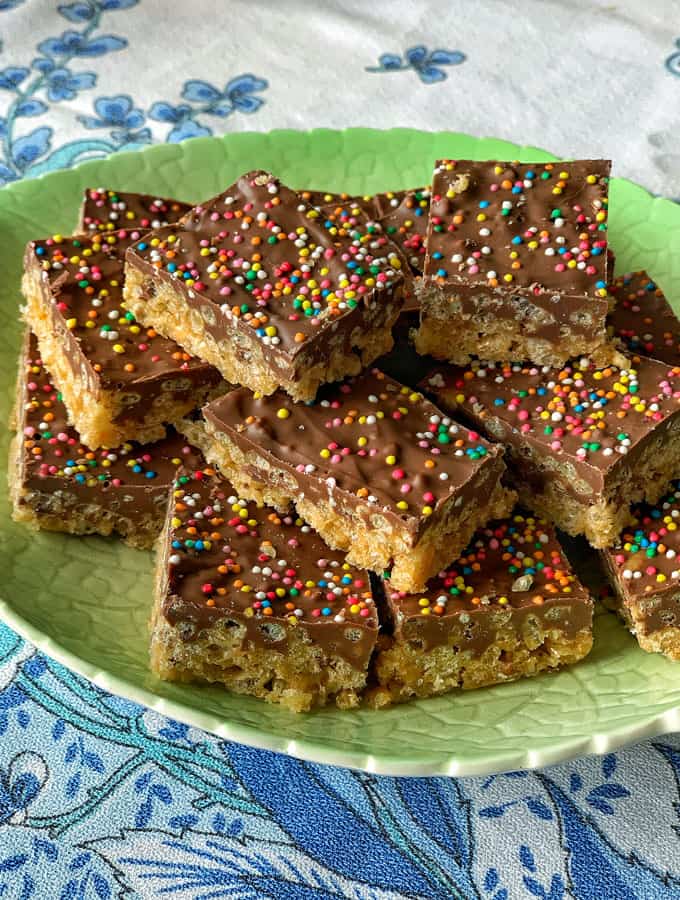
(100, 798)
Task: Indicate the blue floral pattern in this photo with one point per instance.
(426, 64)
(54, 76)
(116, 801)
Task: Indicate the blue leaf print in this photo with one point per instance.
(539, 808)
(492, 812)
(46, 848)
(117, 4)
(187, 129)
(238, 91)
(416, 55)
(12, 76)
(106, 43)
(144, 813)
(77, 12)
(526, 857)
(143, 782)
(93, 761)
(31, 107)
(575, 782)
(224, 108)
(6, 5)
(490, 880)
(58, 729)
(73, 43)
(30, 147)
(431, 74)
(101, 886)
(390, 61)
(200, 92)
(244, 104)
(182, 822)
(162, 793)
(273, 780)
(447, 57)
(593, 861)
(427, 65)
(72, 786)
(598, 796)
(164, 112)
(10, 863)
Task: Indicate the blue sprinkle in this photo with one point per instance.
(142, 245)
(437, 255)
(499, 401)
(176, 545)
(136, 468)
(483, 204)
(600, 284)
(441, 273)
(149, 474)
(199, 545)
(326, 611)
(517, 239)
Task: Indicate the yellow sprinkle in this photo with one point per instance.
(118, 348)
(283, 413)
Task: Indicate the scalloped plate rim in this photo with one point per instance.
(309, 749)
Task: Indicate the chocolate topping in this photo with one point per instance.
(84, 278)
(133, 479)
(126, 214)
(512, 569)
(537, 227)
(645, 561)
(258, 256)
(368, 442)
(592, 419)
(348, 214)
(404, 215)
(231, 560)
(325, 200)
(643, 318)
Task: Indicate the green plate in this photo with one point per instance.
(85, 601)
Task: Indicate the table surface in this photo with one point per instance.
(100, 798)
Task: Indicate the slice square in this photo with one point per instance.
(582, 444)
(516, 263)
(255, 600)
(107, 211)
(119, 380)
(508, 607)
(373, 466)
(644, 319)
(644, 570)
(257, 283)
(57, 483)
